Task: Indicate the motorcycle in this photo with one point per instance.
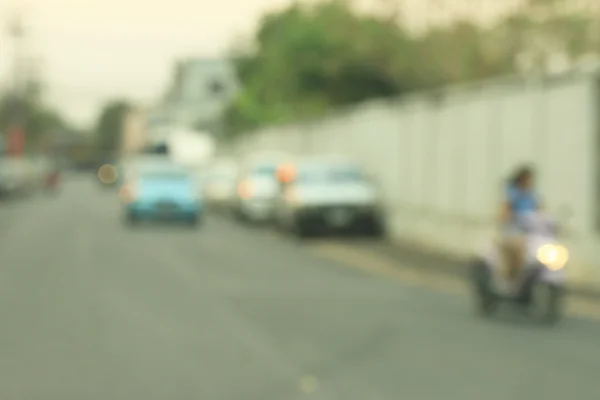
(52, 182)
(539, 287)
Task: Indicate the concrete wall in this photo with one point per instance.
(442, 158)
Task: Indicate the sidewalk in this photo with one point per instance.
(451, 264)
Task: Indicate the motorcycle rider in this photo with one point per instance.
(520, 199)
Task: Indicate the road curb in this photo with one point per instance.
(450, 264)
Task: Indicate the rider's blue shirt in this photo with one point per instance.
(521, 201)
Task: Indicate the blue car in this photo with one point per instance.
(162, 193)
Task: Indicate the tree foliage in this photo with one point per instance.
(109, 127)
(35, 117)
(311, 58)
(308, 59)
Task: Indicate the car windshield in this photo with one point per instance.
(329, 174)
(265, 170)
(221, 176)
(165, 175)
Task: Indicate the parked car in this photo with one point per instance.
(328, 194)
(219, 185)
(257, 188)
(8, 182)
(16, 177)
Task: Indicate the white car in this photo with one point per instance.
(257, 188)
(219, 186)
(16, 175)
(9, 182)
(330, 195)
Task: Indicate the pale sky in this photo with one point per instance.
(92, 50)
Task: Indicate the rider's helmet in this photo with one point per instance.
(522, 175)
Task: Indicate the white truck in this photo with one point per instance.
(188, 148)
(192, 149)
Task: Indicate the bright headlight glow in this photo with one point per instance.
(553, 256)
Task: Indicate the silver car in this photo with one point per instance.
(220, 186)
(256, 189)
(9, 182)
(330, 195)
(15, 176)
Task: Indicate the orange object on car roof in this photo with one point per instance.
(286, 172)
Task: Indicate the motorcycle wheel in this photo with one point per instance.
(546, 303)
(486, 302)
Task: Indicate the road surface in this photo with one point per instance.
(92, 310)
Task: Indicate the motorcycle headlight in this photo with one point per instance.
(553, 256)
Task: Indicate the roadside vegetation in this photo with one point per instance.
(306, 60)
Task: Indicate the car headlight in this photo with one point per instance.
(128, 193)
(108, 174)
(553, 256)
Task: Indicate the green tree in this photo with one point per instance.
(37, 119)
(309, 59)
(461, 52)
(542, 29)
(109, 127)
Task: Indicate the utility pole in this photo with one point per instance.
(17, 35)
(20, 80)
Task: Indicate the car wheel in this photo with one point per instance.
(302, 230)
(546, 305)
(240, 216)
(131, 219)
(375, 228)
(194, 221)
(280, 225)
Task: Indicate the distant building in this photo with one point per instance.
(134, 132)
(199, 92)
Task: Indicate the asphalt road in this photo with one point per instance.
(92, 310)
